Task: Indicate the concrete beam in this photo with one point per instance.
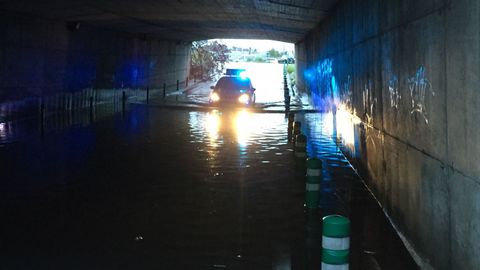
(187, 19)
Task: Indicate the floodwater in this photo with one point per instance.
(160, 188)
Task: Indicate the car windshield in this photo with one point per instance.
(233, 84)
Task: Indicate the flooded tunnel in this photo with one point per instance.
(114, 156)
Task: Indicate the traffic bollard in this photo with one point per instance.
(296, 129)
(335, 243)
(42, 111)
(313, 179)
(42, 116)
(291, 118)
(148, 94)
(164, 90)
(301, 146)
(91, 108)
(124, 99)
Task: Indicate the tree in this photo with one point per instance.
(208, 58)
(274, 53)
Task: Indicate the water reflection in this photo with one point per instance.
(212, 125)
(3, 130)
(219, 130)
(346, 128)
(242, 126)
(6, 131)
(243, 196)
(328, 127)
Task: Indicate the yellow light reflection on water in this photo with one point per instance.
(243, 127)
(327, 124)
(240, 126)
(346, 124)
(212, 125)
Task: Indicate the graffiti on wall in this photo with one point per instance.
(394, 92)
(369, 101)
(419, 87)
(392, 81)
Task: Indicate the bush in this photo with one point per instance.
(259, 59)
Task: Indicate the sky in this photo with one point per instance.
(260, 45)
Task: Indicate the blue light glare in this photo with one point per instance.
(309, 75)
(134, 76)
(324, 87)
(335, 93)
(243, 75)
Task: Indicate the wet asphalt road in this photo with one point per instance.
(184, 188)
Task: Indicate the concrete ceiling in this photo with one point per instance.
(283, 20)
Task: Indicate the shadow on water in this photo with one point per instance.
(177, 189)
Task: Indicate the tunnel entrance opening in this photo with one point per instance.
(268, 64)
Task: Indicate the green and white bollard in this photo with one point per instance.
(312, 188)
(335, 243)
(301, 146)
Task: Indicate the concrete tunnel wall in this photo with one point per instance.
(41, 58)
(409, 70)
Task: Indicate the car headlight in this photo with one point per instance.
(214, 97)
(243, 98)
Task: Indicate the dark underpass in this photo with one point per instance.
(112, 156)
